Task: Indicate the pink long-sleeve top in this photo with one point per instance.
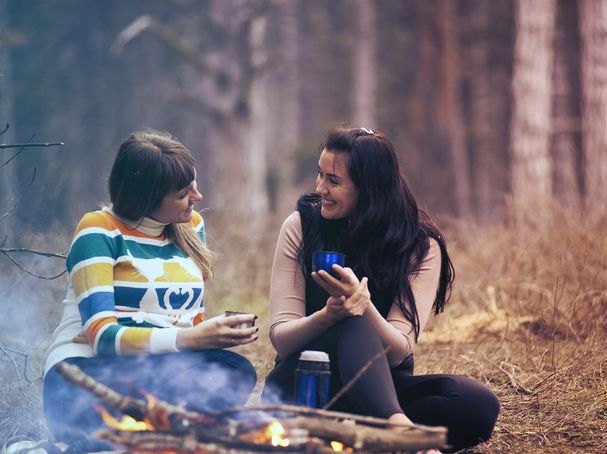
(291, 329)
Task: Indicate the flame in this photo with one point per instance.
(337, 446)
(126, 423)
(276, 433)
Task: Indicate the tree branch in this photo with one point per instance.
(31, 273)
(59, 255)
(33, 144)
(10, 210)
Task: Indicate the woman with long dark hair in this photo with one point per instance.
(133, 317)
(397, 272)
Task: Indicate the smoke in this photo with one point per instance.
(30, 310)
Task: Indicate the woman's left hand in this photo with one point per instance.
(346, 285)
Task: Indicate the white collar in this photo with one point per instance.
(146, 225)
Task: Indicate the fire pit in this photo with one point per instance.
(157, 426)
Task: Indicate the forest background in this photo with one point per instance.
(497, 108)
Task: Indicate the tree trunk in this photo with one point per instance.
(7, 173)
(489, 75)
(593, 19)
(455, 130)
(365, 65)
(285, 111)
(530, 129)
(565, 108)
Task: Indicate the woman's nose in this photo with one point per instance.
(320, 187)
(196, 196)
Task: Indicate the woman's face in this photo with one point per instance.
(178, 206)
(333, 183)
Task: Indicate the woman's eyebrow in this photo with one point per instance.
(334, 175)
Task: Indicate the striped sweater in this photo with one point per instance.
(129, 289)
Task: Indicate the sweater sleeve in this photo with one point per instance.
(290, 328)
(90, 263)
(395, 330)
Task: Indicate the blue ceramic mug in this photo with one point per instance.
(323, 260)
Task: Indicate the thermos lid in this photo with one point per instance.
(312, 355)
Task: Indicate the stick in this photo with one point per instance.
(356, 377)
(159, 414)
(511, 379)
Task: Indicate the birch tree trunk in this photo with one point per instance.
(565, 107)
(531, 86)
(489, 76)
(365, 65)
(593, 19)
(453, 108)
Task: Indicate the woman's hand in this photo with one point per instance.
(218, 332)
(341, 307)
(346, 285)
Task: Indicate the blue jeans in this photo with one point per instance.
(204, 380)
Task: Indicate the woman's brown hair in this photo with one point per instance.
(148, 166)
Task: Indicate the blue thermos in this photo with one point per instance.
(312, 378)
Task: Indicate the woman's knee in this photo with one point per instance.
(477, 414)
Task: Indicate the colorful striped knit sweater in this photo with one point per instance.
(129, 289)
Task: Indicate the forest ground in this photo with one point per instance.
(527, 317)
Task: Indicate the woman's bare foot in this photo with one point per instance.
(399, 419)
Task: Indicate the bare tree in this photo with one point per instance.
(453, 116)
(593, 18)
(364, 89)
(6, 104)
(488, 51)
(229, 94)
(531, 89)
(565, 145)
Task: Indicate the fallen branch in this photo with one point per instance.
(511, 379)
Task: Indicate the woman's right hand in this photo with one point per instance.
(341, 307)
(217, 332)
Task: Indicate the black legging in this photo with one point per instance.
(466, 407)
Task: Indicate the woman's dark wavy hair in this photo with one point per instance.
(388, 236)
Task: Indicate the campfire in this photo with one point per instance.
(156, 426)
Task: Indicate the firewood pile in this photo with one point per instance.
(157, 426)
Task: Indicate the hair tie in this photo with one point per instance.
(367, 131)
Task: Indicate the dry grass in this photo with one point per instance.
(527, 317)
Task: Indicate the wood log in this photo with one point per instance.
(371, 439)
(158, 441)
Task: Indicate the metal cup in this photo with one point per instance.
(242, 324)
(323, 260)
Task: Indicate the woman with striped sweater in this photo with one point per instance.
(133, 317)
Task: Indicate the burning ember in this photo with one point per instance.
(126, 423)
(274, 434)
(337, 446)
